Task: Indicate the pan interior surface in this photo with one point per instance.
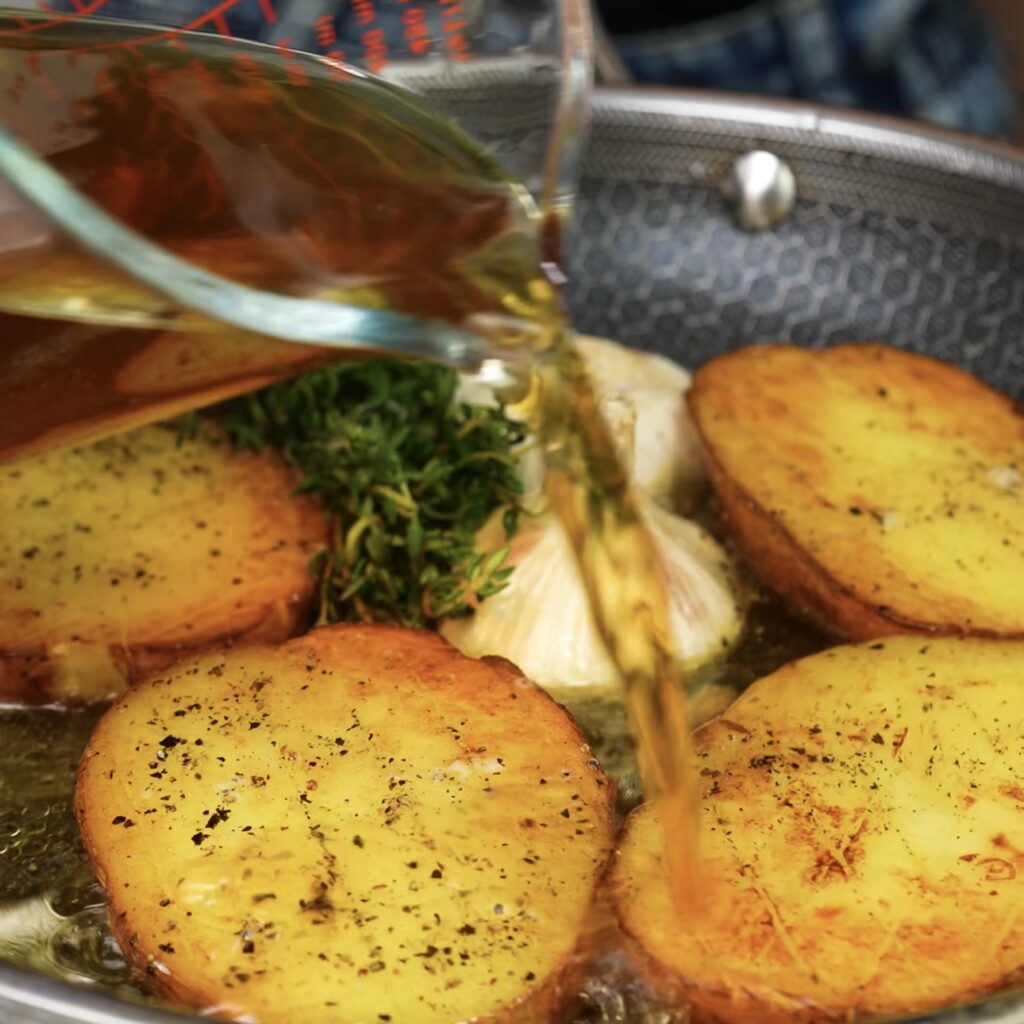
(899, 235)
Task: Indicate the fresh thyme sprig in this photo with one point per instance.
(407, 477)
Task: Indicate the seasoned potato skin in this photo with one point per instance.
(349, 825)
(879, 491)
(120, 557)
(859, 807)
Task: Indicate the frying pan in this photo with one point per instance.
(900, 233)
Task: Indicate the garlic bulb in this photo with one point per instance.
(659, 445)
(642, 400)
(542, 620)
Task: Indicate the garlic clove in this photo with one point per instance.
(641, 397)
(542, 620)
(705, 614)
(662, 449)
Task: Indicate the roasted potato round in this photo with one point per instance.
(863, 834)
(360, 825)
(118, 557)
(879, 491)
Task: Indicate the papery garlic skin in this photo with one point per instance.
(641, 398)
(661, 448)
(542, 621)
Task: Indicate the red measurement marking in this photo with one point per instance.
(364, 12)
(214, 16)
(324, 29)
(267, 9)
(417, 33)
(458, 47)
(296, 72)
(375, 49)
(457, 44)
(221, 26)
(256, 82)
(91, 7)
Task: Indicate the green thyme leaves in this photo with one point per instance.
(407, 477)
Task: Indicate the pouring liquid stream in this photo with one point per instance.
(290, 175)
(590, 493)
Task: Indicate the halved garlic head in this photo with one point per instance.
(542, 620)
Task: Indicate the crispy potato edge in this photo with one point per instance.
(743, 1004)
(64, 673)
(783, 565)
(46, 676)
(707, 1005)
(548, 1001)
(755, 1004)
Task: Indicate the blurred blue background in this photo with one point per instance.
(937, 60)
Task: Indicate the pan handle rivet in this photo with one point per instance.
(761, 189)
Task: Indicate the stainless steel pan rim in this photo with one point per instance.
(979, 158)
(656, 148)
(27, 998)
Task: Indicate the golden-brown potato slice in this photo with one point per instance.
(118, 557)
(360, 825)
(880, 491)
(863, 831)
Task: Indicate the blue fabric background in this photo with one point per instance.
(932, 59)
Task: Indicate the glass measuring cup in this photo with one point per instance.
(142, 302)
